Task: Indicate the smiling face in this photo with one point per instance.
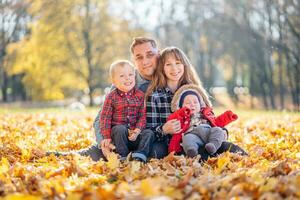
(123, 77)
(192, 102)
(145, 58)
(173, 68)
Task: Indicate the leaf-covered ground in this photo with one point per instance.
(272, 171)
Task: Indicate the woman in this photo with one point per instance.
(173, 71)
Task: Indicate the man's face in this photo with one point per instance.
(145, 58)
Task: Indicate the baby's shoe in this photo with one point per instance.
(191, 153)
(210, 148)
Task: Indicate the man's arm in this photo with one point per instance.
(96, 125)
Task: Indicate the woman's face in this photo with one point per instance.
(173, 68)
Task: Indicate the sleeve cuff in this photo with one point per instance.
(160, 132)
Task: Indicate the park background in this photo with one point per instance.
(56, 52)
(54, 59)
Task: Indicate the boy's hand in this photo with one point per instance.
(133, 134)
(137, 131)
(105, 144)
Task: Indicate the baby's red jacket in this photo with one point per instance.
(184, 116)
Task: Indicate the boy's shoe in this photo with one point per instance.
(138, 159)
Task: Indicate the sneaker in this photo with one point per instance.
(138, 159)
(57, 153)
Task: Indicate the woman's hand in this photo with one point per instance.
(171, 127)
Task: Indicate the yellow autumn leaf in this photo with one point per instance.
(26, 154)
(174, 193)
(22, 197)
(270, 185)
(113, 160)
(4, 166)
(149, 187)
(271, 169)
(135, 167)
(221, 163)
(123, 188)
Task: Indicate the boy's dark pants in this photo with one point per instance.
(141, 146)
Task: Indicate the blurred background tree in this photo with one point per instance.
(247, 51)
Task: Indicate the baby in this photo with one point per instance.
(199, 126)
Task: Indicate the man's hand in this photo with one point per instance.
(133, 134)
(171, 127)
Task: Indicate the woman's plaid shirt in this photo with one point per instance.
(158, 109)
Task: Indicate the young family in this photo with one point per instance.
(162, 109)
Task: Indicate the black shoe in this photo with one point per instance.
(57, 153)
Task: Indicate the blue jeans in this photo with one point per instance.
(141, 146)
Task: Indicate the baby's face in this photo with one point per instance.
(124, 78)
(191, 101)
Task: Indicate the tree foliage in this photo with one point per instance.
(70, 47)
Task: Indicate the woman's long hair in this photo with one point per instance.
(190, 76)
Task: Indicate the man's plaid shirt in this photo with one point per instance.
(123, 108)
(158, 109)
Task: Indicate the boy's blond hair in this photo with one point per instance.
(141, 40)
(118, 63)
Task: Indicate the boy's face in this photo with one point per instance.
(145, 58)
(124, 78)
(191, 101)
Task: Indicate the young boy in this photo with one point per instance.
(123, 116)
(199, 126)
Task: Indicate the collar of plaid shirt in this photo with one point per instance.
(129, 93)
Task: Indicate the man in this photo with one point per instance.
(145, 55)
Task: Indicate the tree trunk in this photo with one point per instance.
(4, 86)
(281, 89)
(91, 92)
